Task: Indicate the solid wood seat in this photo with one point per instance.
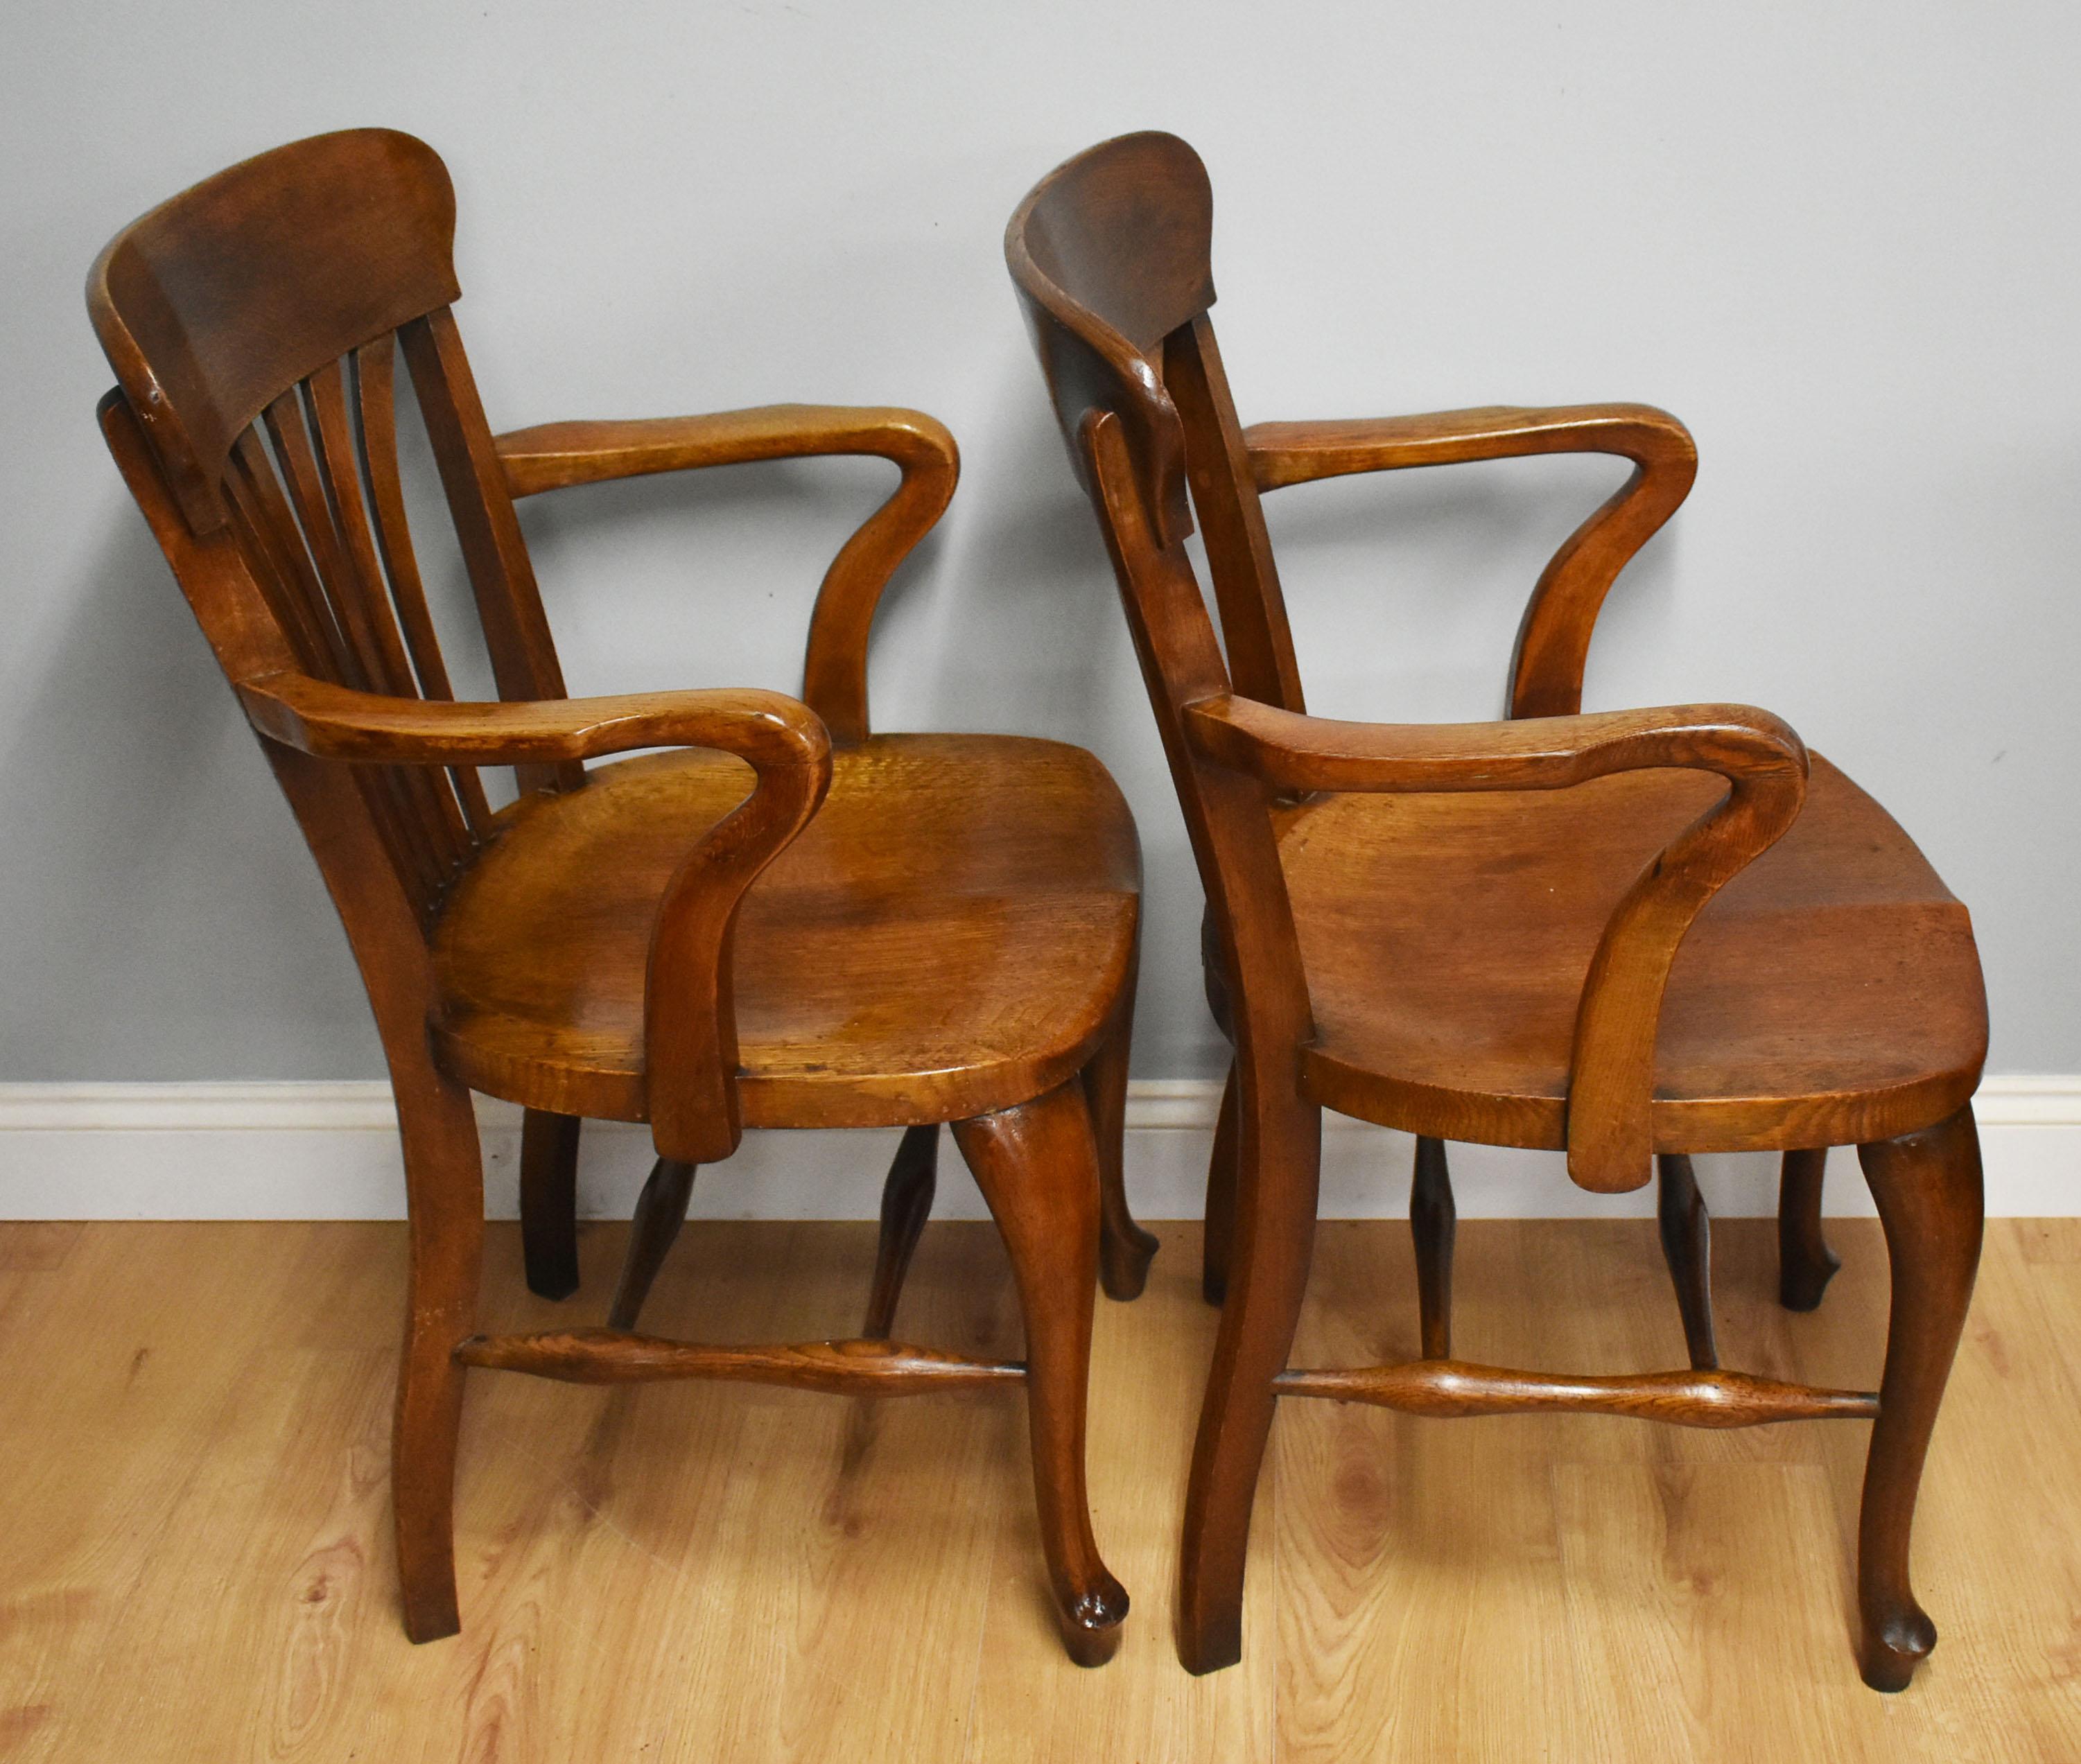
(1828, 995)
(945, 939)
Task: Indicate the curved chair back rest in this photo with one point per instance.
(1110, 254)
(254, 323)
(218, 301)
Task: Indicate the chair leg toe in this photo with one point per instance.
(1805, 1264)
(1888, 1656)
(1092, 1627)
(1125, 1249)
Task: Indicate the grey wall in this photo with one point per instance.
(1839, 240)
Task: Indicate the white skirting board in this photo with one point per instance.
(330, 1151)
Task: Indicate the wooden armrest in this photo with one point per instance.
(1283, 453)
(1553, 639)
(1612, 1085)
(556, 455)
(337, 722)
(690, 1018)
(1297, 753)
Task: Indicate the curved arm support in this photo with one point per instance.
(557, 455)
(1611, 1139)
(1554, 638)
(690, 1018)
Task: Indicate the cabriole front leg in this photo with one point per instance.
(1037, 1167)
(1928, 1188)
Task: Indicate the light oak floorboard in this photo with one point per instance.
(196, 1563)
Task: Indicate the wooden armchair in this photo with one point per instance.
(781, 921)
(1631, 935)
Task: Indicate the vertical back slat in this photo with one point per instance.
(280, 553)
(375, 386)
(339, 471)
(516, 632)
(410, 824)
(294, 454)
(339, 468)
(1254, 631)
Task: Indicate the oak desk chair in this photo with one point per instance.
(783, 921)
(1479, 931)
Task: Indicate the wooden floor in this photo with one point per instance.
(195, 1563)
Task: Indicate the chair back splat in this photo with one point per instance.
(255, 324)
(945, 926)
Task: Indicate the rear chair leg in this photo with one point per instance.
(1124, 1248)
(906, 1202)
(1038, 1167)
(660, 1209)
(1220, 1198)
(1432, 1218)
(1686, 1246)
(549, 1202)
(1805, 1264)
(1278, 1162)
(444, 1194)
(1928, 1188)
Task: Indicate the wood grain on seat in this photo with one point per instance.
(1829, 991)
(945, 938)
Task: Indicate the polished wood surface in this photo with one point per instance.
(1628, 934)
(549, 1202)
(847, 1368)
(947, 936)
(1767, 1036)
(1433, 1231)
(1686, 1246)
(1805, 1263)
(661, 1210)
(953, 941)
(711, 1571)
(1453, 1390)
